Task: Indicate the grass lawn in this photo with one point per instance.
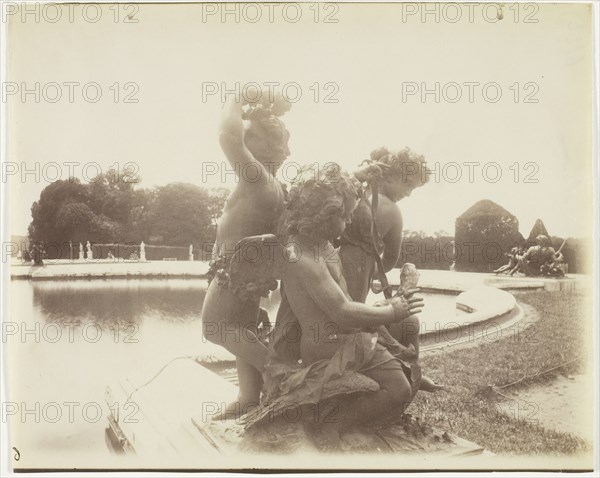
(558, 340)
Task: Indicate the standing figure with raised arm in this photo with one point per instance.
(403, 171)
(255, 149)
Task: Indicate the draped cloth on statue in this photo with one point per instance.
(288, 383)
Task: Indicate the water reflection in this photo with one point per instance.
(125, 301)
(64, 348)
(122, 301)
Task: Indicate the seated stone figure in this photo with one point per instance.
(542, 259)
(321, 335)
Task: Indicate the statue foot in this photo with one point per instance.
(428, 385)
(236, 409)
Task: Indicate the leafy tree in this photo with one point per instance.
(111, 209)
(218, 198)
(441, 233)
(111, 194)
(426, 251)
(44, 226)
(138, 228)
(75, 220)
(178, 215)
(409, 234)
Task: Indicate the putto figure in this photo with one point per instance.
(255, 142)
(403, 171)
(321, 335)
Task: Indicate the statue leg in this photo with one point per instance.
(505, 267)
(230, 322)
(250, 380)
(341, 414)
(522, 267)
(407, 332)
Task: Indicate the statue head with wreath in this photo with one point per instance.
(405, 170)
(266, 136)
(321, 202)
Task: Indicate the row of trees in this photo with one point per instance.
(427, 251)
(111, 208)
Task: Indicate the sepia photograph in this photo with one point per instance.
(299, 237)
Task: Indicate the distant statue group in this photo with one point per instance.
(539, 260)
(325, 240)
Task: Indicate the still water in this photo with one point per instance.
(66, 340)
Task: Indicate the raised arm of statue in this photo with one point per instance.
(261, 141)
(231, 138)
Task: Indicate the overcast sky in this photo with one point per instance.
(370, 61)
